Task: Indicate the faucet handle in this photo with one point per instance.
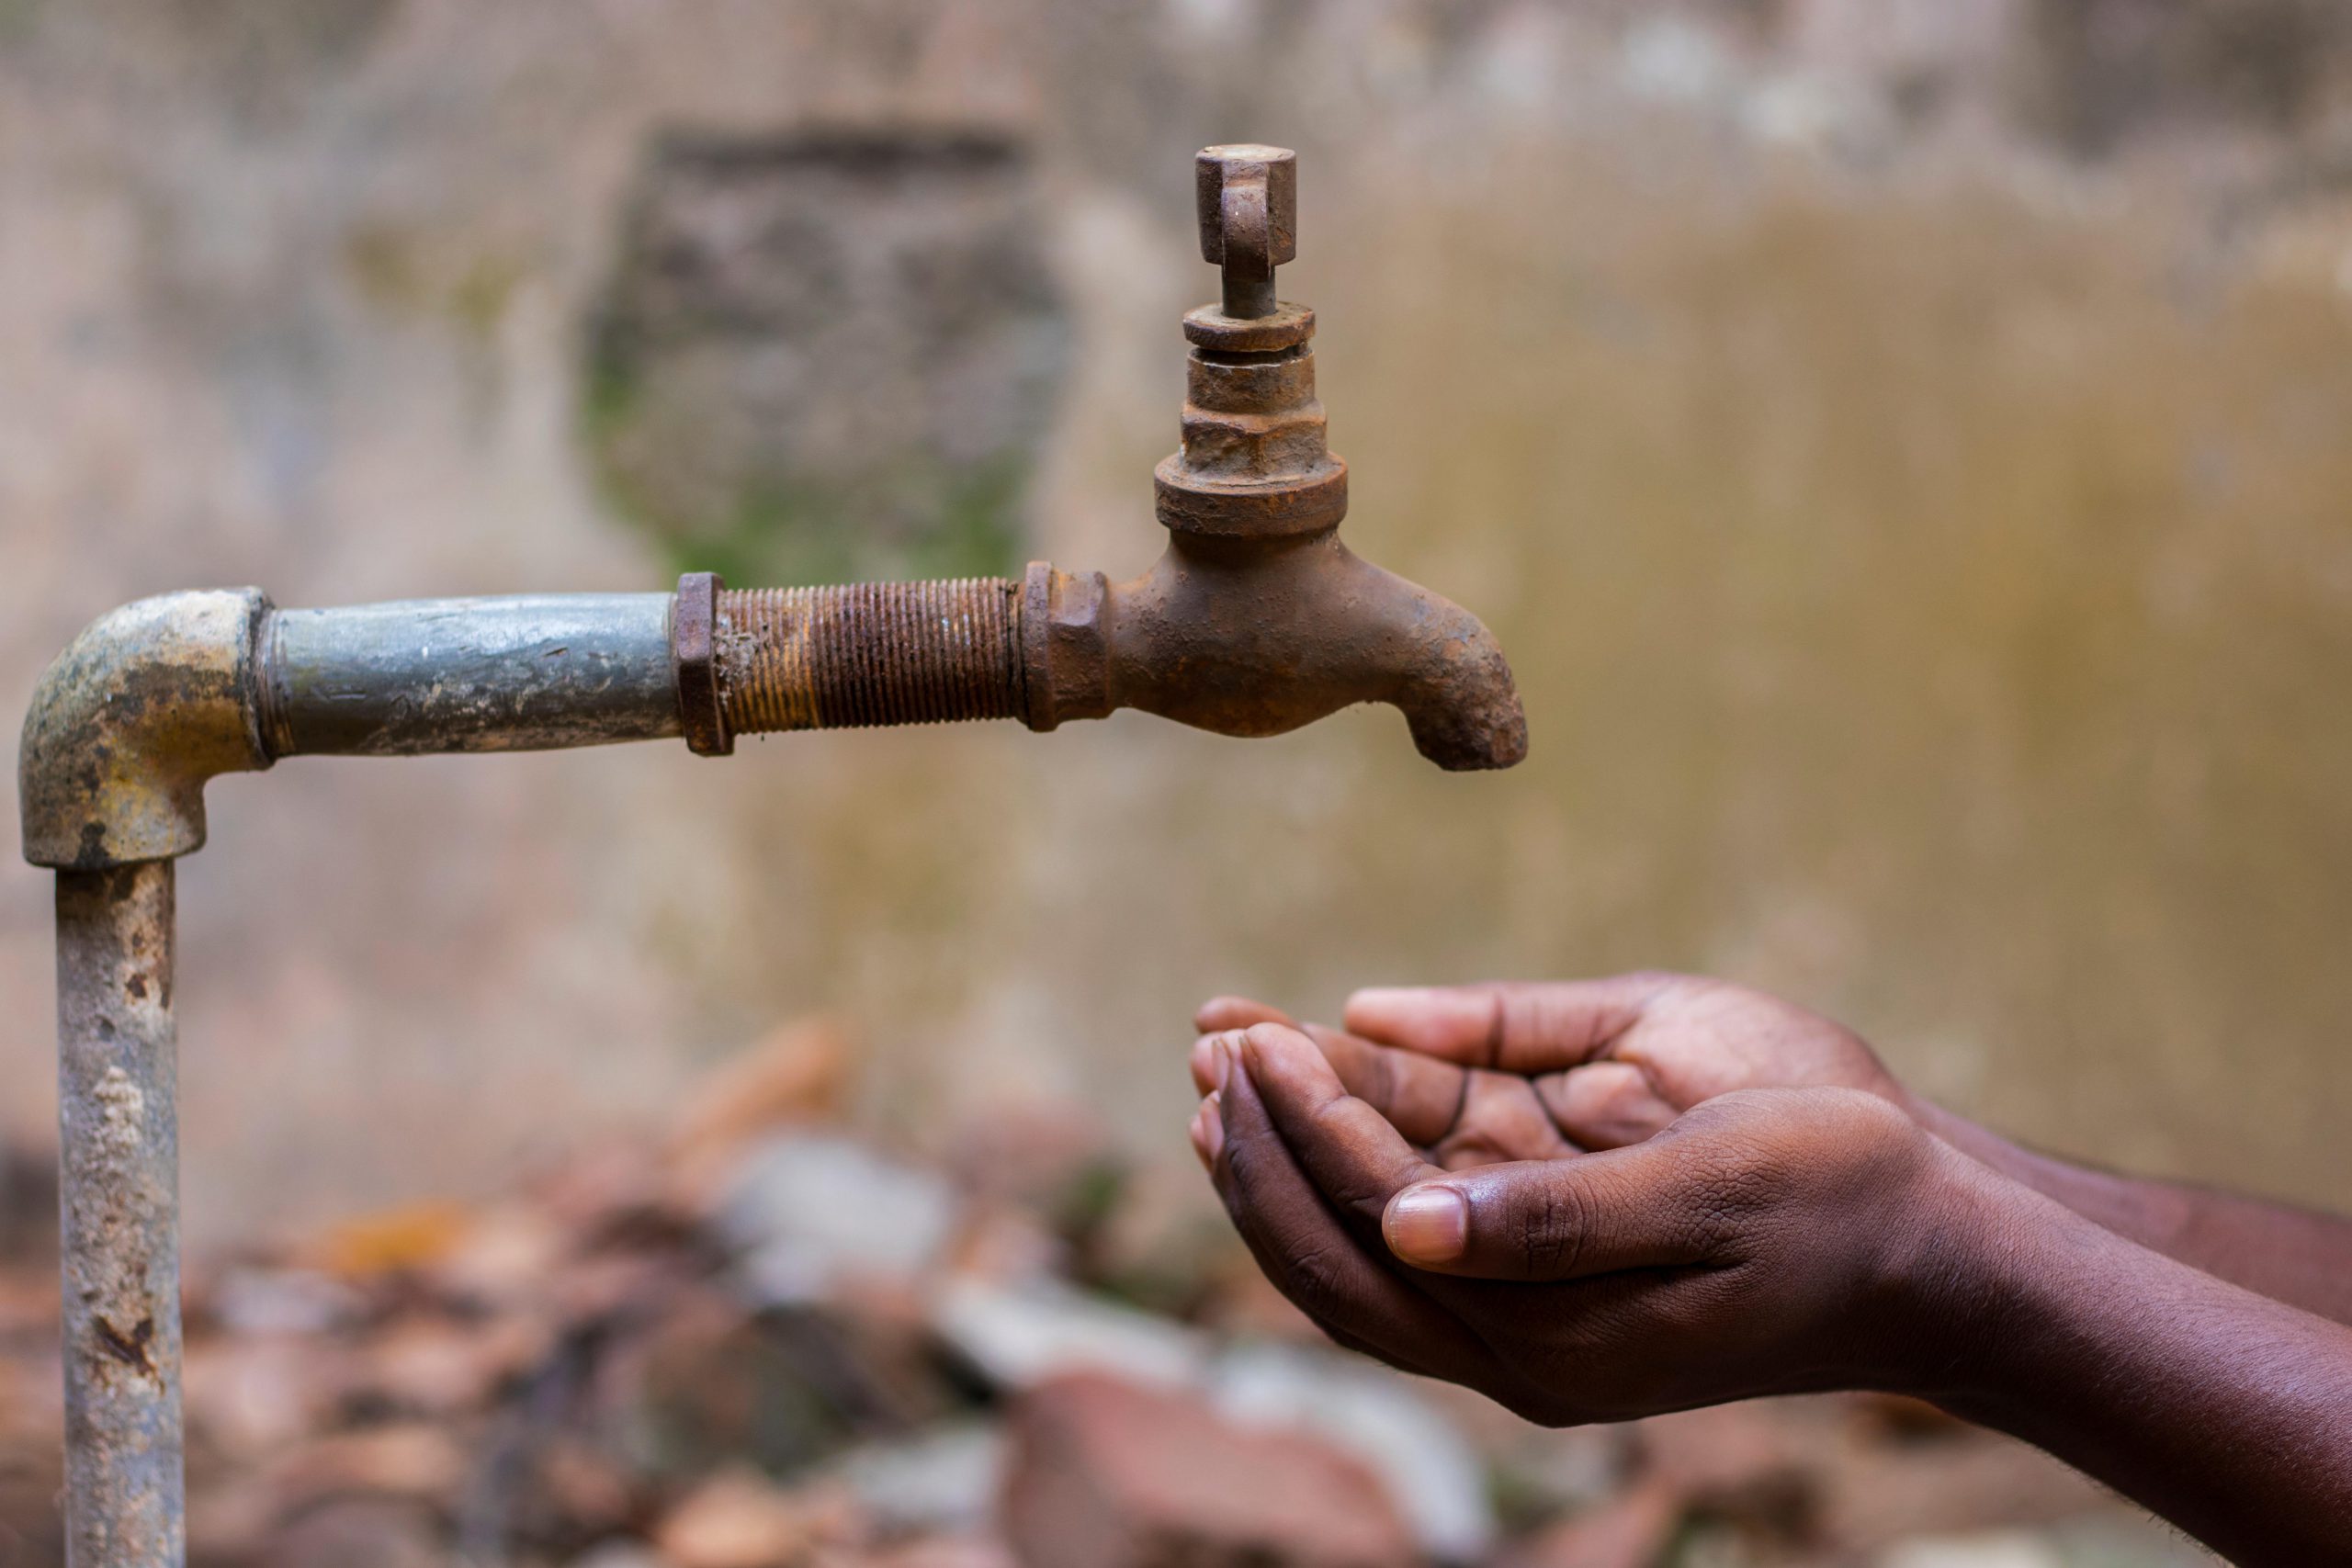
(1246, 197)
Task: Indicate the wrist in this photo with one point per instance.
(1973, 1139)
(1972, 1280)
(2149, 1214)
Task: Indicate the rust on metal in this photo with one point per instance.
(1207, 326)
(1255, 621)
(868, 653)
(127, 724)
(1246, 198)
(1065, 646)
(693, 627)
(118, 1159)
(1252, 458)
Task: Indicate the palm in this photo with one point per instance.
(1486, 1074)
(1701, 1039)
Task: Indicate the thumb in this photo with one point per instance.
(1642, 1207)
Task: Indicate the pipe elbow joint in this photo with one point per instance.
(128, 722)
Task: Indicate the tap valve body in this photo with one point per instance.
(1253, 461)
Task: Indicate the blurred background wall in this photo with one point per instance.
(1905, 448)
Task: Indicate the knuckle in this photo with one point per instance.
(1549, 1230)
(1363, 1195)
(1312, 1278)
(1539, 1015)
(1361, 1203)
(1380, 1080)
(1242, 1176)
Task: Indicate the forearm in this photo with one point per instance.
(2296, 1256)
(2226, 1411)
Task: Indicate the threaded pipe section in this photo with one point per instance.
(868, 653)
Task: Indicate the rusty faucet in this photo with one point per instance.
(1255, 621)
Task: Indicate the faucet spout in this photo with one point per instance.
(1253, 636)
(1456, 692)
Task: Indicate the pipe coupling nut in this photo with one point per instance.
(1065, 645)
(693, 659)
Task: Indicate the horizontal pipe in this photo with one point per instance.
(1238, 633)
(528, 673)
(869, 653)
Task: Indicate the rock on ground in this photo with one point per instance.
(1107, 1474)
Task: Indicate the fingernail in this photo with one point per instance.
(1224, 1061)
(1213, 1126)
(1427, 1224)
(1199, 1131)
(1205, 1061)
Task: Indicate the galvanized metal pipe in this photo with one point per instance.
(526, 672)
(119, 1136)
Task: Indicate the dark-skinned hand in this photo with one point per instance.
(1770, 1241)
(1533, 1070)
(1600, 1200)
(1476, 1074)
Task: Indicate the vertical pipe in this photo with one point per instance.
(118, 1154)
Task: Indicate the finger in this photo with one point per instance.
(1349, 1289)
(1420, 1096)
(1537, 1027)
(1208, 1133)
(1461, 1116)
(1352, 1153)
(1605, 1105)
(1652, 1205)
(1205, 1065)
(1220, 1013)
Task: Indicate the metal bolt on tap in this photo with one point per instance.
(1247, 200)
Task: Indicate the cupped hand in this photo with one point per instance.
(1532, 1071)
(1770, 1241)
(1458, 1116)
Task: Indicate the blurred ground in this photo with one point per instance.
(743, 1339)
(1901, 446)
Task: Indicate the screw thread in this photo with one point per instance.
(868, 653)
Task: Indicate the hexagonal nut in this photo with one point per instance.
(1260, 448)
(1065, 646)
